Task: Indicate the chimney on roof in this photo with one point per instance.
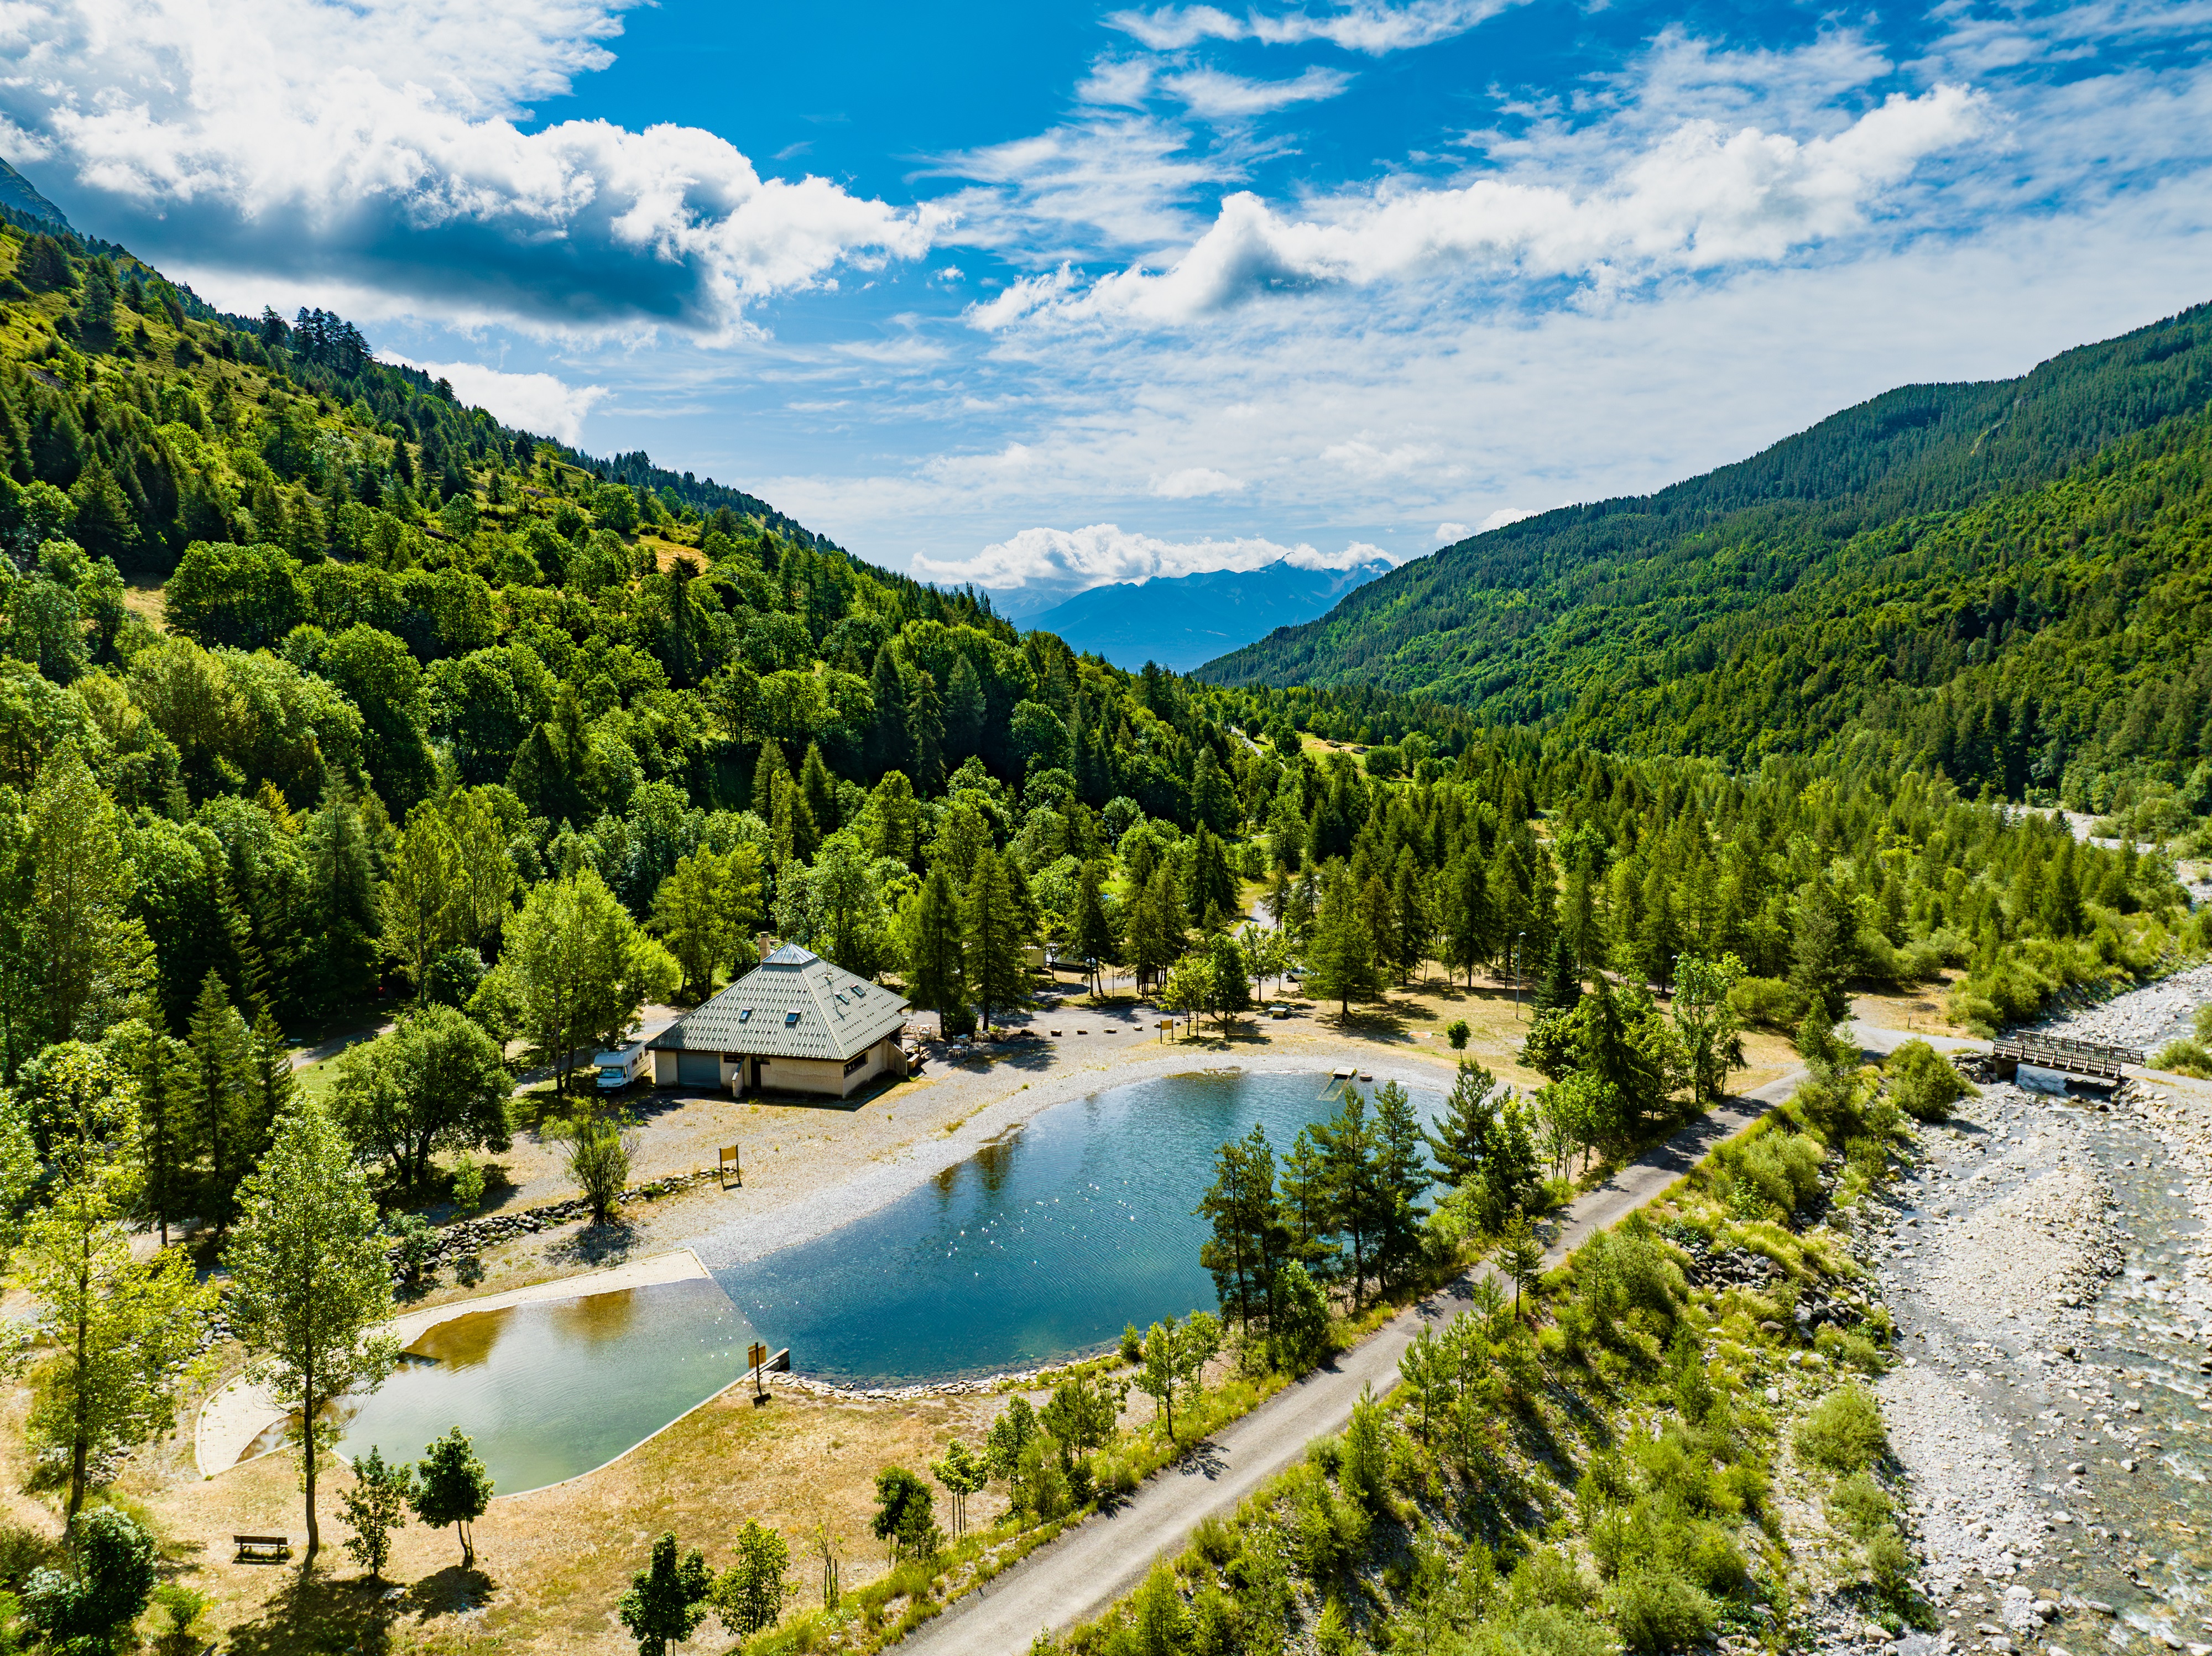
(767, 942)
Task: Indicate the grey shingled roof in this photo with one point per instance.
(838, 1014)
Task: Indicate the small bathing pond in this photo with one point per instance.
(1038, 1248)
(552, 1389)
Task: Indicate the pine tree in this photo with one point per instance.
(1409, 908)
(164, 1070)
(1464, 905)
(991, 940)
(1358, 1205)
(889, 748)
(222, 1097)
(1094, 929)
(965, 710)
(767, 767)
(342, 882)
(1304, 1204)
(1402, 1175)
(1826, 947)
(1378, 920)
(1247, 1249)
(1212, 888)
(925, 729)
(1463, 1132)
(930, 934)
(1154, 940)
(1340, 959)
(1562, 987)
(272, 1087)
(820, 788)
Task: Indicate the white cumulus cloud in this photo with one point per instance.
(1448, 532)
(1702, 196)
(382, 142)
(539, 403)
(1503, 516)
(1102, 555)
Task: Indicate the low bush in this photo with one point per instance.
(1546, 1630)
(1859, 1506)
(1768, 1002)
(1889, 1567)
(1923, 1083)
(2184, 1057)
(1658, 1611)
(1844, 1434)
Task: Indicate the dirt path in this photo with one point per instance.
(1099, 1560)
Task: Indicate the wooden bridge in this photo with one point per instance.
(2062, 1053)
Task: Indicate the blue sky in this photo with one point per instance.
(1043, 297)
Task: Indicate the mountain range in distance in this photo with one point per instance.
(1182, 621)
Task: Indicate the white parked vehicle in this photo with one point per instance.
(618, 1070)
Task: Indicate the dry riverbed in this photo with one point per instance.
(2046, 1261)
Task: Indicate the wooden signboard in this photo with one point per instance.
(730, 1169)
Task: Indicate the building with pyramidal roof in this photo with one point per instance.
(795, 1023)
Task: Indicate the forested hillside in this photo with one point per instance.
(2006, 579)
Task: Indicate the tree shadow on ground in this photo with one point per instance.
(315, 1611)
(596, 1245)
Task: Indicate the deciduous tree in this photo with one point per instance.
(121, 1336)
(452, 1487)
(309, 1281)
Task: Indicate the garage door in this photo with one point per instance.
(699, 1069)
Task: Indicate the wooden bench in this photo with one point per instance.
(261, 1549)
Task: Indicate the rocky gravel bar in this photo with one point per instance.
(2047, 1262)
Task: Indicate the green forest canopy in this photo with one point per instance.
(2006, 579)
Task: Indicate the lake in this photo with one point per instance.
(1040, 1247)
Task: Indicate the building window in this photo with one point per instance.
(746, 1016)
(853, 1063)
(790, 1018)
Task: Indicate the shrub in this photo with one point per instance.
(1858, 1505)
(1544, 1631)
(1711, 1557)
(1215, 1541)
(1923, 1083)
(1456, 1032)
(1889, 1566)
(2186, 1058)
(1657, 1609)
(598, 1161)
(1132, 1344)
(1768, 1002)
(1844, 1434)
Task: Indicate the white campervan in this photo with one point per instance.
(618, 1070)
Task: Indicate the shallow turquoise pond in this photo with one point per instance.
(551, 1390)
(1041, 1247)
